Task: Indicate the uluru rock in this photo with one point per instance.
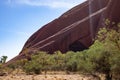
(74, 30)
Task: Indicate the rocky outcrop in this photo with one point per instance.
(75, 29)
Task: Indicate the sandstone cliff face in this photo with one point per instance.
(75, 29)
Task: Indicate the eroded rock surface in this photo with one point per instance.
(75, 29)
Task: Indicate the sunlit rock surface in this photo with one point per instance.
(74, 30)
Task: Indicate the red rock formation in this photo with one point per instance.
(75, 29)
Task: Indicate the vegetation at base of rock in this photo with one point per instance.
(102, 57)
(2, 61)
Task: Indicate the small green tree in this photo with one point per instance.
(32, 67)
(39, 62)
(71, 62)
(58, 61)
(3, 59)
(105, 55)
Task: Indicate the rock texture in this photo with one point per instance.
(75, 29)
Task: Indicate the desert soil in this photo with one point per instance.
(47, 77)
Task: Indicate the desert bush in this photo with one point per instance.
(32, 67)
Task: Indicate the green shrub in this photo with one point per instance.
(32, 67)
